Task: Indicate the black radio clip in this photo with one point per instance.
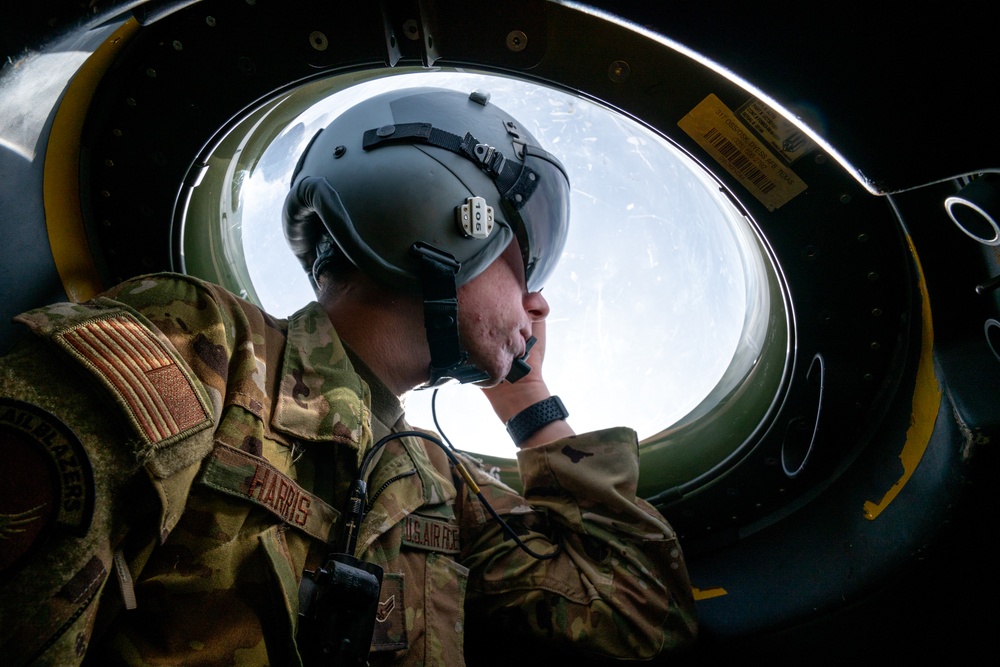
(338, 601)
(337, 607)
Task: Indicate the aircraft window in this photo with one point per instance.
(662, 289)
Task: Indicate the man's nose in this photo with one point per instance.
(536, 306)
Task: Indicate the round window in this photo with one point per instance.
(658, 302)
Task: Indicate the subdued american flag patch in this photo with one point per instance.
(145, 377)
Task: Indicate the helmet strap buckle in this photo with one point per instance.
(491, 160)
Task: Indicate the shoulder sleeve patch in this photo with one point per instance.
(46, 482)
(143, 374)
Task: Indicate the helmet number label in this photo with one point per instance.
(475, 218)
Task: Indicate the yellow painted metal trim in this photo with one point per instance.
(926, 401)
(708, 593)
(61, 184)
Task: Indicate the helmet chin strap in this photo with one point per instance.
(449, 362)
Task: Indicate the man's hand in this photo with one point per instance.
(508, 398)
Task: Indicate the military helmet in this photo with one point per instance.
(427, 168)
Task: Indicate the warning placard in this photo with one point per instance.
(752, 161)
(784, 136)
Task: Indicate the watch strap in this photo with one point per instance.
(527, 421)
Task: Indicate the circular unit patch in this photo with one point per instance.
(46, 482)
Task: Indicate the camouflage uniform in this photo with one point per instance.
(184, 457)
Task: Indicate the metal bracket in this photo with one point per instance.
(410, 30)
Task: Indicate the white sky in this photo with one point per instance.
(648, 300)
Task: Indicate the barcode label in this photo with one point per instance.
(737, 160)
(721, 133)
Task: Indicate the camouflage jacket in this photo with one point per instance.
(175, 459)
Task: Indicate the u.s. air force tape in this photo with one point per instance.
(46, 482)
(430, 534)
(252, 478)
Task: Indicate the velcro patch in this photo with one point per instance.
(46, 482)
(390, 618)
(250, 477)
(421, 532)
(142, 374)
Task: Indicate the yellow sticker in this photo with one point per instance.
(788, 140)
(750, 160)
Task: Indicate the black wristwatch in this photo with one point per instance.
(534, 417)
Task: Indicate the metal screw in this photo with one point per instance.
(210, 20)
(411, 30)
(517, 41)
(318, 40)
(619, 71)
(178, 46)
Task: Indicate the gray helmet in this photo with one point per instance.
(427, 168)
(424, 188)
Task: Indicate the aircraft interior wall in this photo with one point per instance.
(853, 519)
